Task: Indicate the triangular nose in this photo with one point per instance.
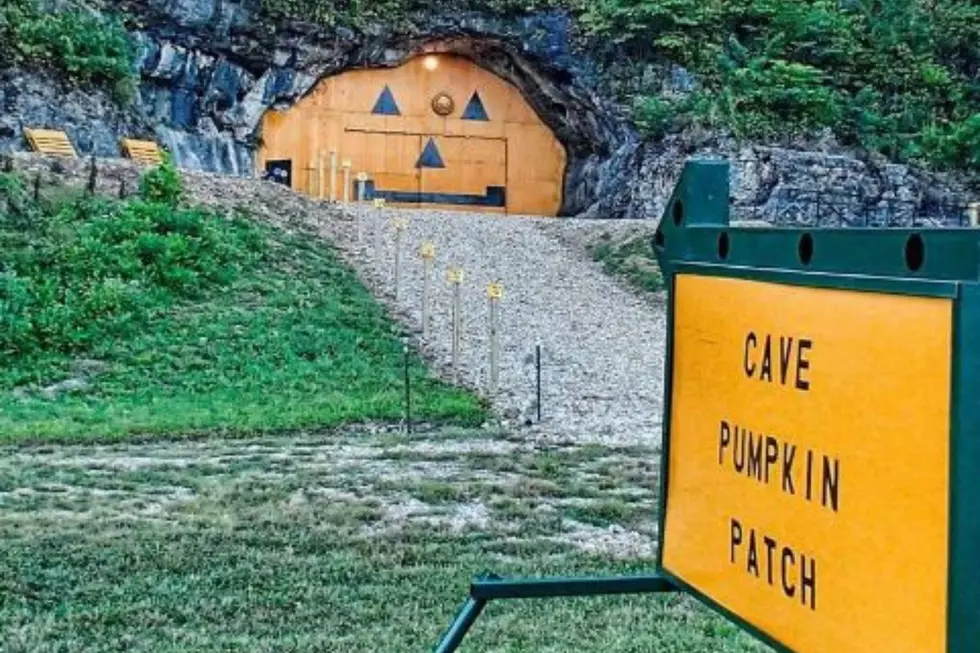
(430, 156)
(386, 105)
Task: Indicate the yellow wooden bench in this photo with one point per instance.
(142, 151)
(48, 141)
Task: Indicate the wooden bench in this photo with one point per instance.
(48, 141)
(142, 151)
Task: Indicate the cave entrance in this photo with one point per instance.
(437, 131)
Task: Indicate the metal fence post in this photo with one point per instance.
(495, 291)
(537, 367)
(408, 389)
(455, 275)
(428, 253)
(399, 224)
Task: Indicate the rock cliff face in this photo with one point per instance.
(211, 68)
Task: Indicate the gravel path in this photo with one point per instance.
(602, 344)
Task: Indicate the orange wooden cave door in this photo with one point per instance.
(437, 131)
(421, 170)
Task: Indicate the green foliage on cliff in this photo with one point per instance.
(895, 76)
(901, 77)
(84, 46)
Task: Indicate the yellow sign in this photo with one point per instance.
(427, 250)
(495, 290)
(399, 224)
(809, 461)
(455, 275)
(379, 202)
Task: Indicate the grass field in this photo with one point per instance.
(632, 259)
(331, 542)
(139, 318)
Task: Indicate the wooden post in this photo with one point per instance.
(456, 279)
(495, 291)
(346, 165)
(399, 224)
(319, 175)
(428, 253)
(333, 176)
(362, 178)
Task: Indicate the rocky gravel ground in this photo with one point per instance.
(602, 343)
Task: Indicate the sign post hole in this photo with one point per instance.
(821, 447)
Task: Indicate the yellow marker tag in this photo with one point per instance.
(455, 275)
(346, 164)
(495, 290)
(379, 202)
(428, 250)
(808, 466)
(400, 224)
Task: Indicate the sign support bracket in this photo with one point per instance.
(491, 587)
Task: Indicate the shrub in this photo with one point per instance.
(87, 48)
(90, 268)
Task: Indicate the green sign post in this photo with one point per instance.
(821, 448)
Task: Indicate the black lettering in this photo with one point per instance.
(749, 366)
(831, 484)
(753, 564)
(724, 439)
(785, 349)
(739, 451)
(770, 547)
(755, 457)
(766, 373)
(788, 588)
(772, 454)
(809, 475)
(802, 363)
(808, 581)
(736, 536)
(789, 453)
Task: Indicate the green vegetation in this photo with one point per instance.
(292, 545)
(82, 45)
(632, 259)
(900, 77)
(148, 316)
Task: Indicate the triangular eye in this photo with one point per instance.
(386, 105)
(430, 156)
(475, 109)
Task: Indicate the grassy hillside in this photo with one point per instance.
(149, 316)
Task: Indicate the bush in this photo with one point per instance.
(85, 47)
(90, 268)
